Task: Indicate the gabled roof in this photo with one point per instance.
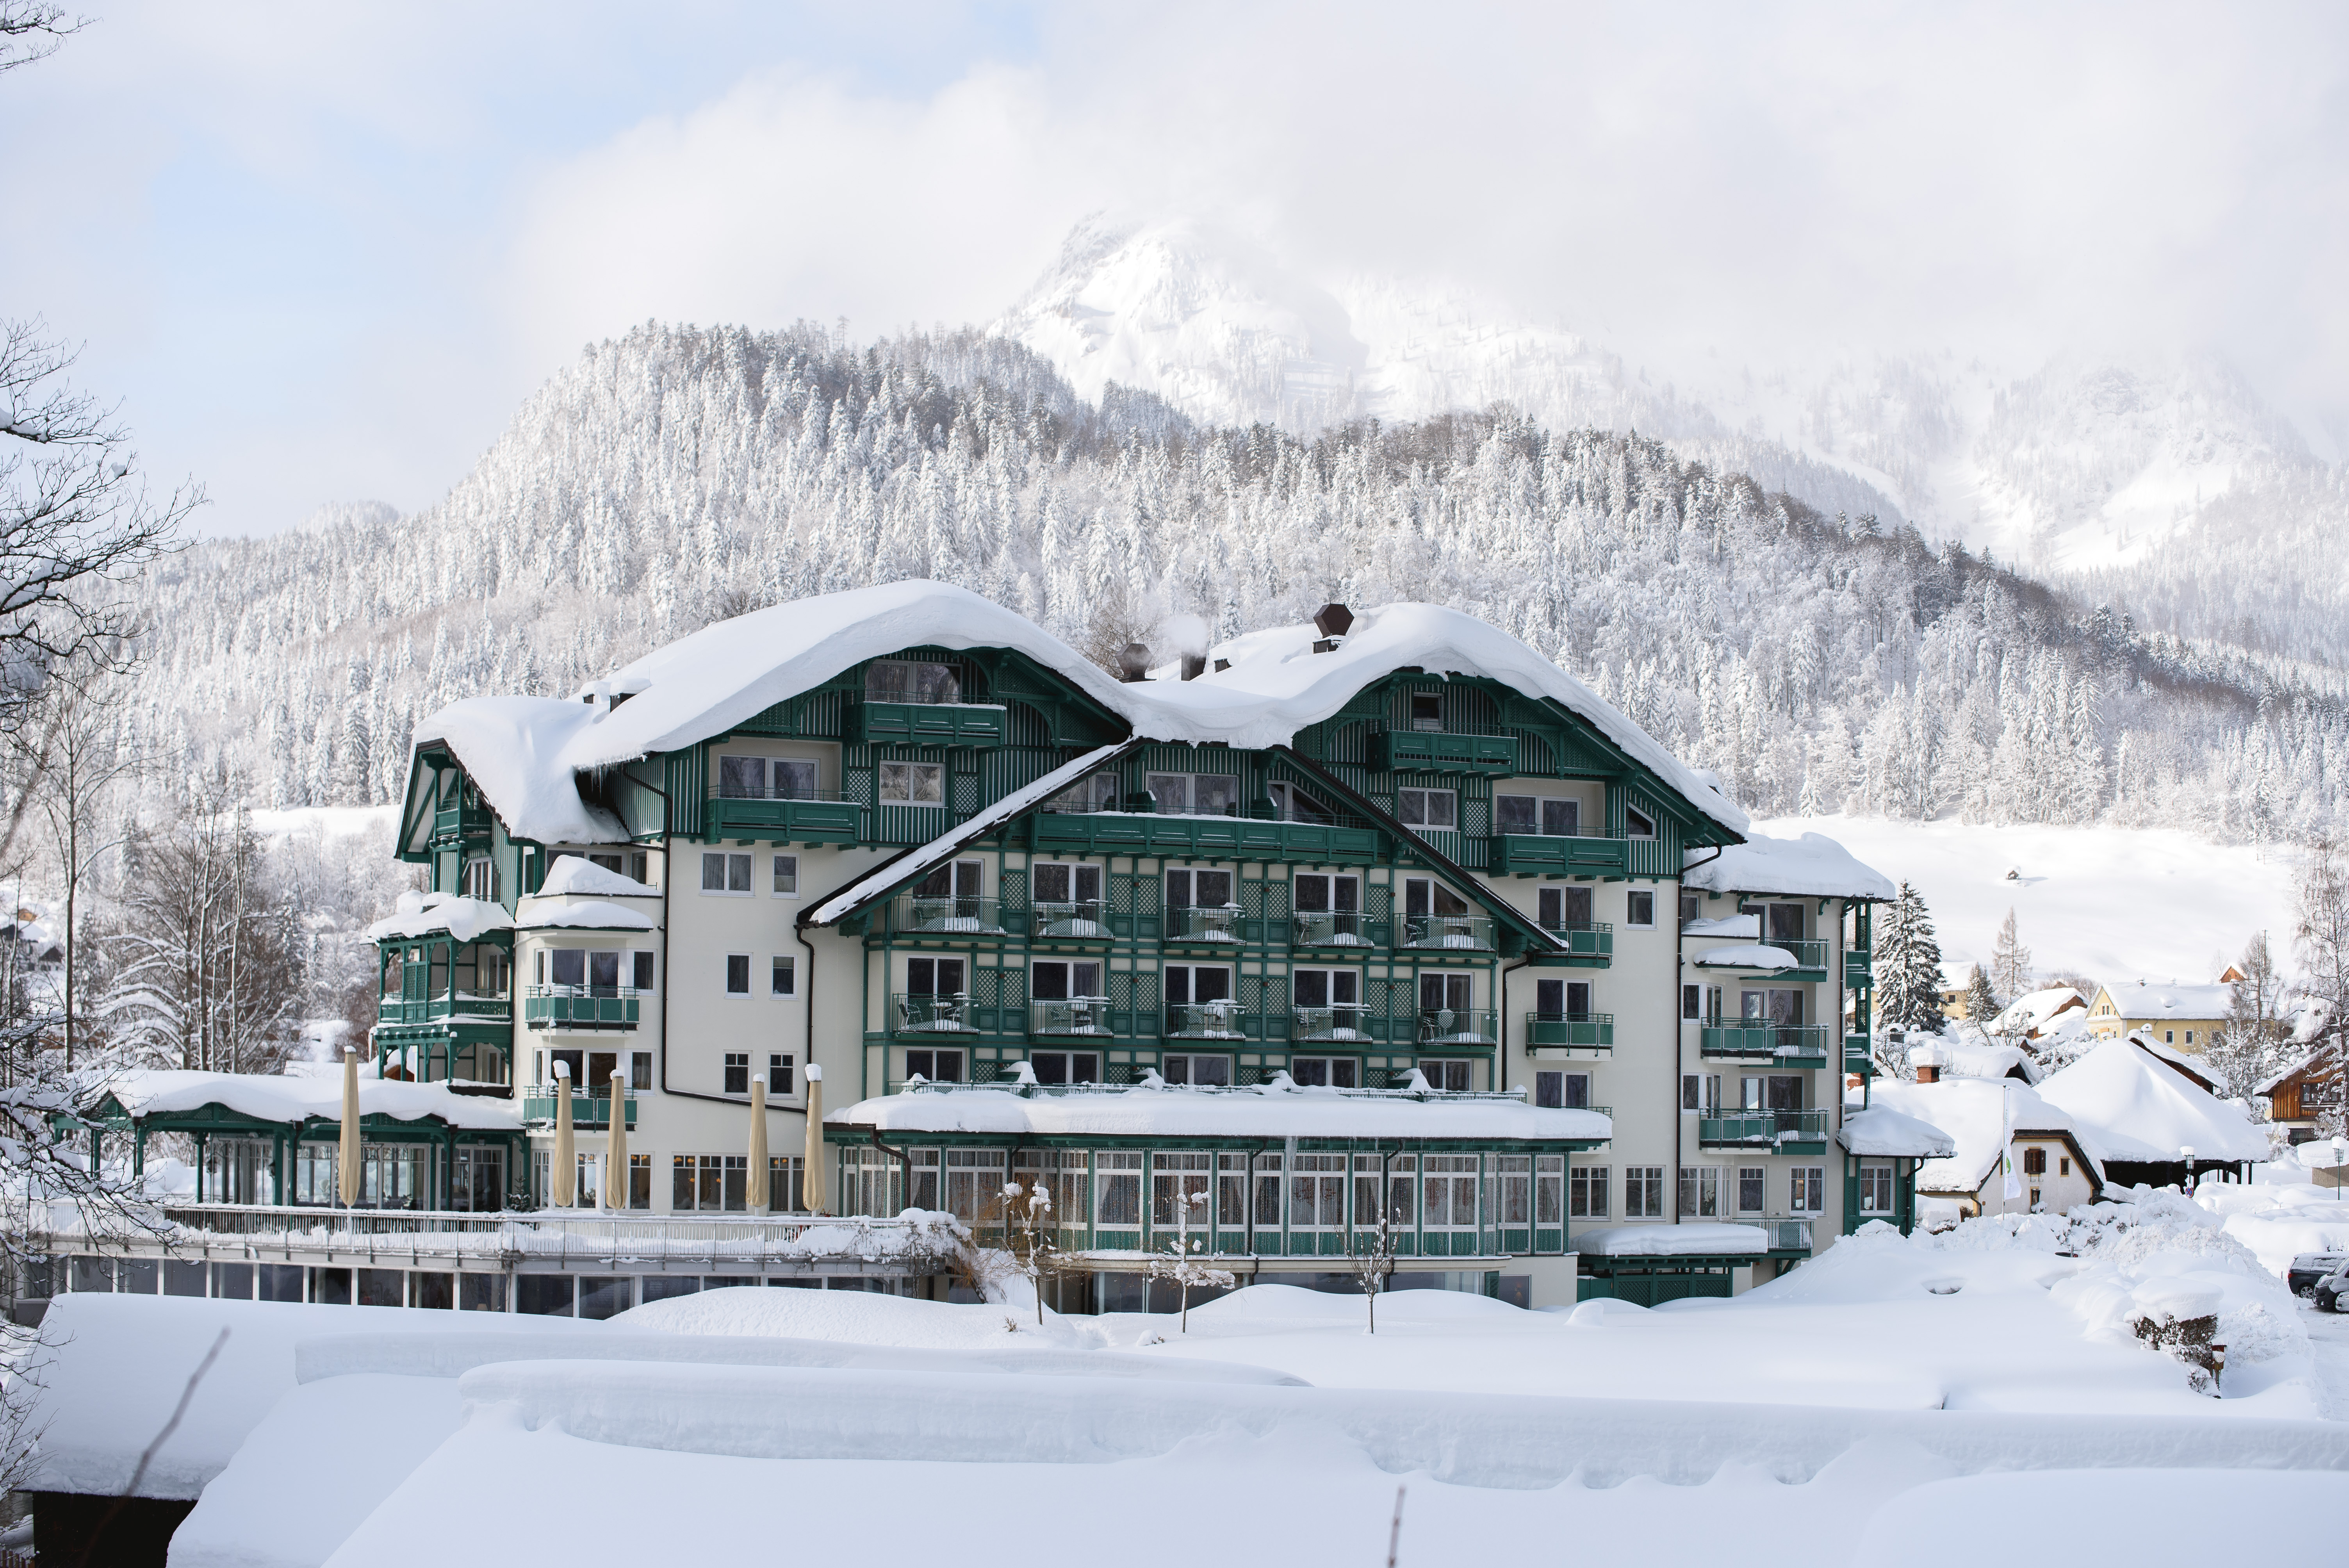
(2143, 999)
(2135, 1107)
(1981, 1118)
(1813, 866)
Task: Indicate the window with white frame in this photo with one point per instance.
(1193, 794)
(738, 974)
(766, 779)
(1214, 1072)
(1554, 815)
(1450, 1076)
(1563, 908)
(1199, 889)
(1426, 710)
(912, 784)
(1097, 793)
(1701, 1193)
(782, 976)
(934, 1066)
(738, 1072)
(780, 1066)
(786, 874)
(1639, 907)
(726, 874)
(934, 976)
(1422, 896)
(1875, 1186)
(1556, 1090)
(912, 680)
(1428, 809)
(480, 880)
(1066, 1067)
(1117, 1190)
(1291, 804)
(1643, 1192)
(1586, 1191)
(1064, 892)
(1807, 1189)
(1700, 1092)
(641, 970)
(1204, 994)
(1325, 1072)
(1638, 823)
(1448, 1191)
(1328, 1003)
(1751, 1189)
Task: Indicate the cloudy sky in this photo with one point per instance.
(322, 253)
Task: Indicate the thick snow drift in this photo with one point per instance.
(2135, 1107)
(1278, 1109)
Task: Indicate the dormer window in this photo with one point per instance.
(904, 680)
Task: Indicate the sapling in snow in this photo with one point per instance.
(1036, 1255)
(1181, 1264)
(1373, 1260)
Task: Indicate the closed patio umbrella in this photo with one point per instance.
(566, 1162)
(615, 1164)
(346, 1180)
(755, 1189)
(813, 1186)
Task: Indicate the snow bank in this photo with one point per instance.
(2136, 1516)
(1279, 1109)
(272, 1097)
(2135, 1107)
(1961, 1060)
(1811, 866)
(2278, 1222)
(121, 1363)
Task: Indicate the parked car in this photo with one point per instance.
(2309, 1267)
(2332, 1291)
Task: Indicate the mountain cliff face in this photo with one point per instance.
(2113, 472)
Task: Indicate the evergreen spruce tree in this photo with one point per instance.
(1907, 965)
(1981, 1002)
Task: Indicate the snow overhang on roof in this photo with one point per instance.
(1703, 1240)
(1981, 1118)
(584, 914)
(429, 913)
(1879, 1130)
(2137, 1107)
(578, 874)
(143, 1093)
(1813, 866)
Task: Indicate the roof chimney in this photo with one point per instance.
(1193, 666)
(1134, 662)
(1333, 622)
(1928, 1060)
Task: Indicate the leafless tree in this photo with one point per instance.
(1372, 1257)
(31, 30)
(2321, 938)
(2010, 961)
(1179, 1262)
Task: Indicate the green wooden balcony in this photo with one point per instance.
(1857, 1058)
(951, 916)
(1582, 1031)
(441, 1009)
(1076, 1018)
(460, 824)
(1442, 751)
(1590, 943)
(926, 723)
(1219, 926)
(1339, 841)
(1858, 969)
(1440, 1027)
(825, 818)
(538, 1107)
(1788, 1131)
(574, 1007)
(1338, 928)
(1448, 932)
(1560, 855)
(1788, 1045)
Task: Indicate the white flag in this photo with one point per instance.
(2006, 1144)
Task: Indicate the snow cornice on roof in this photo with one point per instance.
(1813, 866)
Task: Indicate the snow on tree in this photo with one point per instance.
(1907, 965)
(2323, 944)
(1982, 1006)
(1178, 1262)
(2010, 961)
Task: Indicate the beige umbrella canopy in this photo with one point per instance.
(813, 1184)
(567, 1160)
(756, 1193)
(346, 1180)
(616, 1165)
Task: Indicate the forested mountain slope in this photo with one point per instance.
(680, 474)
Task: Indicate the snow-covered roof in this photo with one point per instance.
(947, 845)
(2275, 1081)
(1958, 1060)
(1277, 685)
(2140, 999)
(578, 874)
(1979, 1117)
(424, 913)
(1748, 956)
(1701, 1239)
(2186, 1062)
(1277, 1109)
(1878, 1129)
(1813, 866)
(2032, 1009)
(1745, 926)
(524, 752)
(145, 1092)
(2135, 1107)
(586, 915)
(1956, 974)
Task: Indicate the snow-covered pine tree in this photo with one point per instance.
(1907, 965)
(1981, 1002)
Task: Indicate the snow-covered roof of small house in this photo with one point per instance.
(1813, 866)
(1960, 1059)
(1980, 1117)
(424, 913)
(2196, 1068)
(2135, 1107)
(1879, 1130)
(578, 874)
(1277, 1109)
(2282, 1076)
(586, 915)
(144, 1092)
(2032, 1009)
(1701, 1239)
(524, 752)
(2142, 999)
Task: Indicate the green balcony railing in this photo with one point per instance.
(925, 723)
(579, 1007)
(1760, 1129)
(1590, 940)
(1857, 1054)
(1858, 969)
(917, 1015)
(456, 824)
(1085, 920)
(1343, 1024)
(1459, 1027)
(538, 1106)
(1220, 923)
(947, 914)
(1338, 928)
(1461, 932)
(815, 818)
(1784, 1235)
(1205, 1021)
(1340, 841)
(1552, 854)
(1087, 1017)
(1580, 1030)
(1791, 1045)
(1442, 751)
(440, 1009)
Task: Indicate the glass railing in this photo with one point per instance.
(538, 1103)
(1218, 924)
(1346, 1021)
(602, 1006)
(1459, 1027)
(933, 1014)
(1334, 928)
(1087, 918)
(1472, 933)
(1585, 938)
(1579, 1029)
(1070, 1016)
(1760, 1128)
(1806, 1043)
(1784, 1235)
(1204, 1021)
(918, 914)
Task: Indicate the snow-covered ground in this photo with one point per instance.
(334, 821)
(2115, 903)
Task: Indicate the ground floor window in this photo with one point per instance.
(1509, 1189)
(1117, 1189)
(1317, 1192)
(1451, 1076)
(1448, 1192)
(237, 1170)
(1179, 1193)
(1700, 1192)
(1066, 1067)
(1876, 1187)
(479, 1183)
(1807, 1189)
(1751, 1194)
(1550, 1188)
(1062, 1175)
(1326, 1072)
(1215, 1072)
(1643, 1192)
(711, 1182)
(974, 1191)
(1587, 1192)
